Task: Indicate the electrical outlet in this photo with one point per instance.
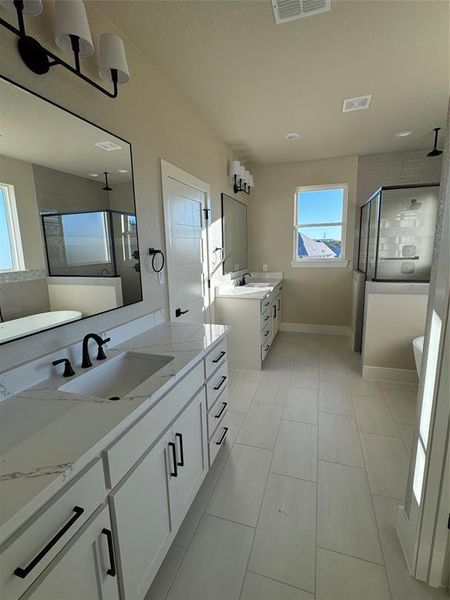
(265, 269)
(161, 277)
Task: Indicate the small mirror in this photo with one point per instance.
(68, 230)
(234, 235)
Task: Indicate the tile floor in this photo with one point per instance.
(301, 502)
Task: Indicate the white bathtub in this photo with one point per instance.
(418, 351)
(10, 330)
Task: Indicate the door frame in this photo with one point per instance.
(172, 172)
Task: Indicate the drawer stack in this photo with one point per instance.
(216, 374)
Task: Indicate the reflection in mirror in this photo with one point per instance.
(68, 231)
(234, 234)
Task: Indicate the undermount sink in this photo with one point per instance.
(257, 284)
(118, 376)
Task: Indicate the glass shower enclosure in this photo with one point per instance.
(396, 235)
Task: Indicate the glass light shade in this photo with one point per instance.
(242, 174)
(31, 8)
(247, 177)
(250, 180)
(235, 168)
(71, 19)
(112, 56)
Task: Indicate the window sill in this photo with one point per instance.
(320, 263)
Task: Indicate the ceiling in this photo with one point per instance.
(255, 81)
(38, 132)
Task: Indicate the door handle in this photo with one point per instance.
(23, 572)
(181, 462)
(112, 563)
(179, 312)
(174, 473)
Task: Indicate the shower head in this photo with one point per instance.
(415, 204)
(435, 151)
(107, 187)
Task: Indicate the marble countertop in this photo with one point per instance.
(249, 292)
(46, 436)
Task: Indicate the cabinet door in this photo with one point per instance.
(190, 437)
(142, 515)
(86, 570)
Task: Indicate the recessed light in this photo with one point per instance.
(122, 171)
(359, 103)
(108, 146)
(93, 174)
(401, 134)
(292, 137)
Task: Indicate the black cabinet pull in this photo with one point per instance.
(224, 405)
(179, 312)
(225, 431)
(174, 473)
(266, 334)
(274, 311)
(221, 355)
(112, 562)
(22, 573)
(222, 381)
(266, 303)
(267, 318)
(180, 437)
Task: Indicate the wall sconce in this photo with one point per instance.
(242, 179)
(72, 34)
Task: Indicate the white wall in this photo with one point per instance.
(157, 120)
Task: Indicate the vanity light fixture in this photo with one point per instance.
(242, 179)
(72, 34)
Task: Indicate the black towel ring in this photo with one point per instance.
(153, 252)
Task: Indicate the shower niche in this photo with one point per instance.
(396, 235)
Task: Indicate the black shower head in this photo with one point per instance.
(107, 187)
(435, 151)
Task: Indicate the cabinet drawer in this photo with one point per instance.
(216, 385)
(41, 538)
(264, 350)
(217, 441)
(218, 411)
(215, 357)
(136, 440)
(266, 317)
(266, 335)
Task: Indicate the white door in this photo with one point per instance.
(185, 219)
(143, 518)
(190, 438)
(86, 570)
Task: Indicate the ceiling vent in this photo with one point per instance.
(360, 103)
(290, 10)
(108, 146)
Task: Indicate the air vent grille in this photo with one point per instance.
(289, 10)
(359, 103)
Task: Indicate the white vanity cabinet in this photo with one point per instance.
(86, 568)
(151, 503)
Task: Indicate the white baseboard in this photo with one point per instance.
(388, 374)
(310, 328)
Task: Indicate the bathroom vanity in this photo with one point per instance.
(254, 313)
(93, 490)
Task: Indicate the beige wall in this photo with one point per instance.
(311, 295)
(157, 120)
(20, 175)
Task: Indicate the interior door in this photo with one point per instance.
(190, 438)
(186, 249)
(142, 509)
(86, 570)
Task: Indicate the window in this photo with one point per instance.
(319, 225)
(11, 254)
(86, 238)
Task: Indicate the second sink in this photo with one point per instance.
(118, 376)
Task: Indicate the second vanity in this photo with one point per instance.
(95, 490)
(254, 313)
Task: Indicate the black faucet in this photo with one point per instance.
(86, 362)
(242, 279)
(68, 370)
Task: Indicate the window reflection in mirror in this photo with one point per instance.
(234, 235)
(68, 235)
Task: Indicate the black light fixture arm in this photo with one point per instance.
(239, 187)
(39, 60)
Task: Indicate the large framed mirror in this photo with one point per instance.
(68, 228)
(234, 235)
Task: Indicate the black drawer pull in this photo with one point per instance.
(221, 355)
(266, 303)
(225, 431)
(266, 334)
(222, 381)
(224, 405)
(267, 318)
(181, 462)
(174, 473)
(22, 573)
(267, 347)
(112, 562)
